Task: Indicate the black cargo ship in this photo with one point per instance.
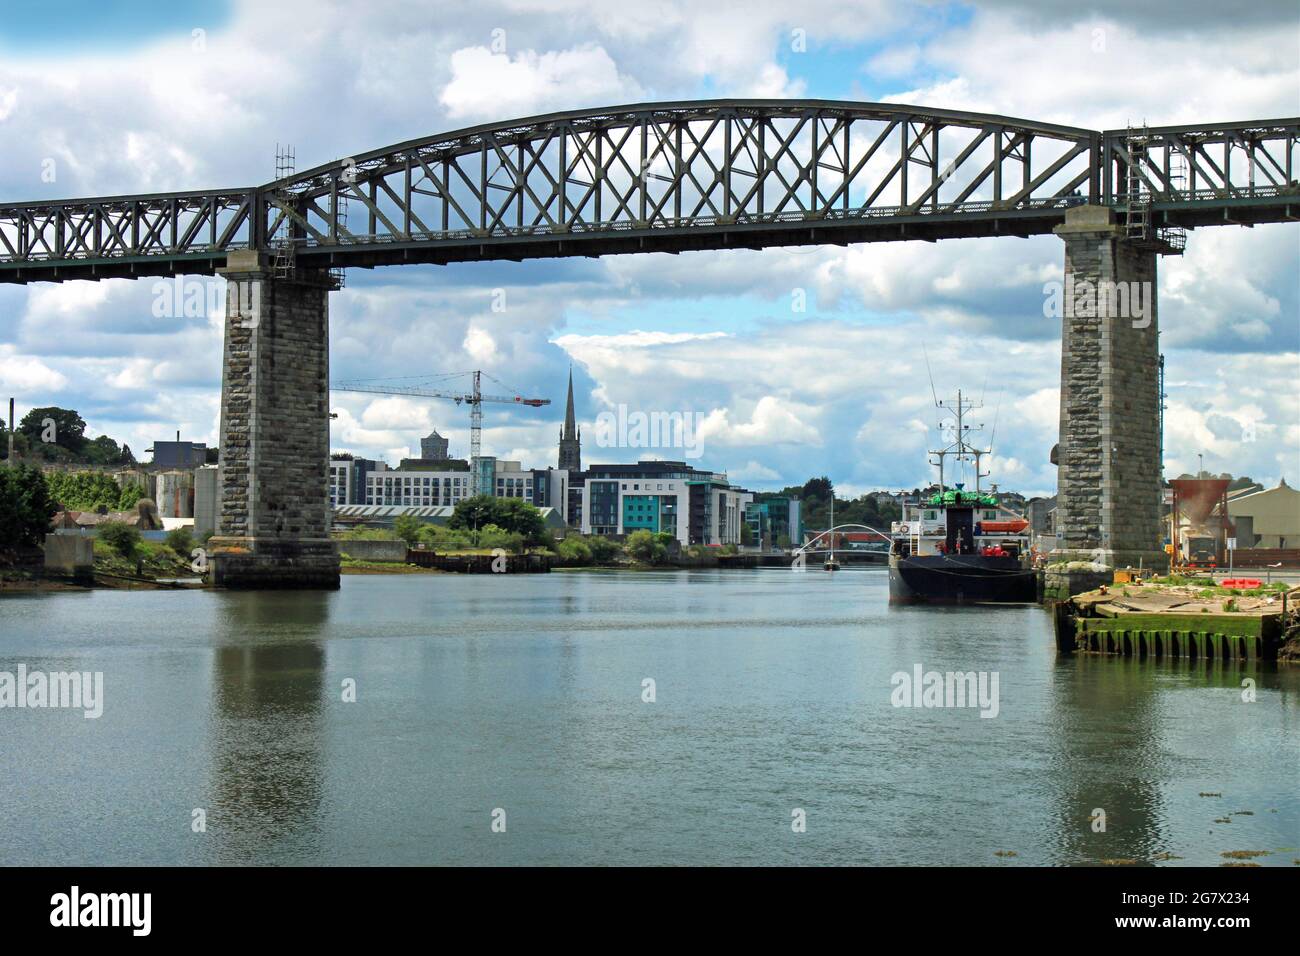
(959, 546)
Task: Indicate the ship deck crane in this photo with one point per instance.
(474, 398)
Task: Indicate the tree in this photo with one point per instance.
(493, 537)
(408, 528)
(61, 427)
(130, 497)
(86, 490)
(25, 507)
(602, 549)
(509, 514)
(123, 538)
(648, 547)
(573, 551)
(101, 451)
(181, 541)
(819, 488)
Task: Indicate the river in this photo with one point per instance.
(506, 720)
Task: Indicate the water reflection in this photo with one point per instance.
(267, 736)
(1107, 756)
(1132, 737)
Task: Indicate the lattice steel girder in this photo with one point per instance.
(1192, 163)
(673, 176)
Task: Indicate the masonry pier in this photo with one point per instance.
(273, 527)
(1109, 475)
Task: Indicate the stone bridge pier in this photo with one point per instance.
(1109, 468)
(273, 527)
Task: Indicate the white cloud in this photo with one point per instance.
(753, 471)
(492, 85)
(480, 345)
(772, 422)
(19, 373)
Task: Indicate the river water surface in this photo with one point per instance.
(521, 700)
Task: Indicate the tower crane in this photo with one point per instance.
(474, 398)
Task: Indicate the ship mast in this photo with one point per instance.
(959, 447)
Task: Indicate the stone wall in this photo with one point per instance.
(272, 530)
(1109, 459)
(379, 549)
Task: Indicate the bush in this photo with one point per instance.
(408, 527)
(25, 507)
(440, 538)
(603, 551)
(87, 490)
(648, 546)
(574, 552)
(121, 537)
(181, 541)
(494, 537)
(362, 533)
(130, 497)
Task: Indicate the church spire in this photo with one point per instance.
(570, 422)
(570, 457)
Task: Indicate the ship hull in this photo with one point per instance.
(960, 579)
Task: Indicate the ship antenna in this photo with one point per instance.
(993, 435)
(933, 393)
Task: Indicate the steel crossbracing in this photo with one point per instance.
(673, 177)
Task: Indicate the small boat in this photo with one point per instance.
(959, 546)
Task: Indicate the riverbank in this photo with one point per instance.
(1182, 618)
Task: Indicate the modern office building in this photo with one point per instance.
(424, 488)
(508, 479)
(551, 489)
(348, 478)
(696, 507)
(773, 520)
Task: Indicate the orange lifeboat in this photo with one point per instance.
(1014, 526)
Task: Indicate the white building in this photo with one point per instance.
(425, 488)
(695, 507)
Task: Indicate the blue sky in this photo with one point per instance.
(127, 98)
(89, 26)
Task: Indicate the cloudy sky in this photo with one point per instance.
(108, 98)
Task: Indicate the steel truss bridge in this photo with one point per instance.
(674, 177)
